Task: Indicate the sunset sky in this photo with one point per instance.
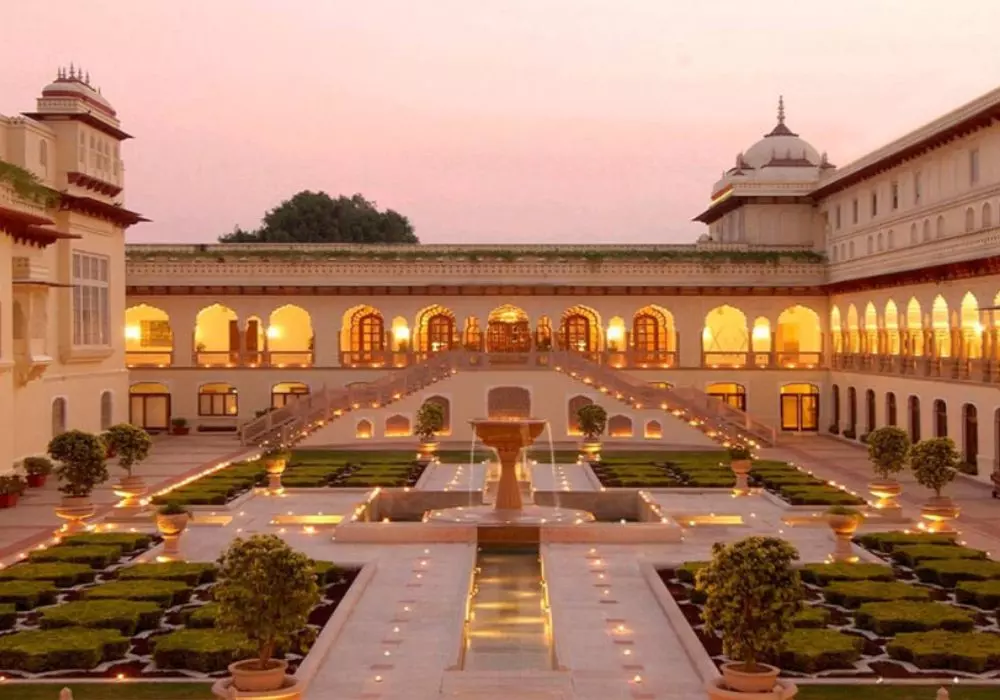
(489, 120)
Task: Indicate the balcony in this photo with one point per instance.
(149, 358)
(251, 358)
(955, 369)
(762, 360)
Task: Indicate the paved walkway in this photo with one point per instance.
(847, 464)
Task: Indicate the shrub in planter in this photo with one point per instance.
(37, 469)
(129, 443)
(851, 594)
(164, 593)
(850, 434)
(430, 421)
(948, 572)
(823, 574)
(193, 574)
(834, 429)
(204, 650)
(28, 594)
(893, 617)
(888, 541)
(888, 449)
(813, 650)
(913, 554)
(982, 594)
(265, 592)
(61, 575)
(37, 651)
(126, 616)
(934, 462)
(739, 453)
(973, 652)
(127, 542)
(593, 419)
(11, 488)
(752, 596)
(81, 462)
(96, 556)
(179, 426)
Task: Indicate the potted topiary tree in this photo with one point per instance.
(739, 460)
(171, 520)
(844, 522)
(11, 488)
(38, 470)
(934, 462)
(266, 591)
(179, 426)
(275, 462)
(430, 421)
(593, 419)
(81, 467)
(888, 449)
(131, 445)
(752, 595)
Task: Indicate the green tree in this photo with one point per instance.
(316, 217)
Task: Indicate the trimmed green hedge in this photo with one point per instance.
(812, 616)
(948, 572)
(887, 541)
(983, 594)
(62, 575)
(913, 554)
(126, 541)
(205, 650)
(974, 652)
(36, 651)
(8, 615)
(898, 616)
(28, 594)
(165, 593)
(688, 571)
(97, 556)
(818, 496)
(193, 495)
(193, 574)
(203, 616)
(823, 574)
(813, 650)
(851, 594)
(126, 616)
(326, 572)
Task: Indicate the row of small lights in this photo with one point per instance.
(422, 565)
(620, 630)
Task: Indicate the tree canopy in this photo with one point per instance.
(316, 217)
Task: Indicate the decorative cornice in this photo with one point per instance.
(114, 213)
(95, 184)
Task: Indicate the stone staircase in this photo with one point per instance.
(713, 417)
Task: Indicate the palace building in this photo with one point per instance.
(62, 268)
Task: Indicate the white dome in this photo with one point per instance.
(76, 85)
(781, 148)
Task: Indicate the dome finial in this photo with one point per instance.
(781, 109)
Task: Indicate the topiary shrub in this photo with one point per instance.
(129, 443)
(913, 554)
(193, 574)
(81, 462)
(204, 650)
(973, 652)
(948, 572)
(823, 574)
(888, 541)
(934, 462)
(265, 592)
(752, 596)
(96, 556)
(982, 594)
(37, 651)
(888, 448)
(61, 575)
(894, 617)
(813, 650)
(851, 594)
(739, 452)
(126, 616)
(164, 593)
(430, 421)
(593, 419)
(127, 541)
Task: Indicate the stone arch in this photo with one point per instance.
(508, 329)
(987, 215)
(508, 402)
(914, 237)
(914, 327)
(798, 337)
(913, 418)
(364, 430)
(836, 333)
(653, 331)
(970, 327)
(652, 430)
(970, 220)
(149, 339)
(853, 331)
(891, 322)
(970, 434)
(290, 337)
(543, 333)
(760, 336)
(580, 329)
(871, 332)
(397, 426)
(940, 418)
(362, 333)
(217, 338)
(619, 426)
(445, 404)
(940, 232)
(572, 406)
(941, 327)
(436, 329)
(725, 339)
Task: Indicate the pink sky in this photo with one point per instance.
(489, 120)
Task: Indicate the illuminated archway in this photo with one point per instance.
(616, 334)
(508, 330)
(149, 340)
(971, 328)
(798, 338)
(653, 430)
(543, 334)
(397, 426)
(915, 328)
(891, 328)
(290, 339)
(580, 329)
(253, 342)
(619, 426)
(472, 335)
(572, 407)
(363, 430)
(725, 339)
(436, 329)
(760, 336)
(836, 332)
(871, 345)
(800, 407)
(362, 334)
(653, 334)
(399, 336)
(217, 337)
(853, 334)
(941, 327)
(445, 405)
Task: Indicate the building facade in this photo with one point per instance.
(62, 268)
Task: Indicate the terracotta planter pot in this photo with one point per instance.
(36, 481)
(172, 525)
(130, 490)
(591, 448)
(8, 500)
(783, 690)
(886, 491)
(843, 525)
(74, 510)
(275, 467)
(761, 681)
(426, 450)
(939, 511)
(247, 677)
(180, 431)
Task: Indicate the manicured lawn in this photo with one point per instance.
(108, 691)
(892, 692)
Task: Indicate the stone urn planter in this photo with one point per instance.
(741, 468)
(75, 510)
(130, 489)
(779, 689)
(275, 467)
(939, 512)
(760, 681)
(171, 525)
(245, 683)
(426, 450)
(844, 523)
(591, 449)
(886, 492)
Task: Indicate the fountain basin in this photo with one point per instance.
(528, 515)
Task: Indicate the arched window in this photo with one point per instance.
(397, 426)
(970, 220)
(890, 239)
(836, 405)
(733, 394)
(218, 399)
(850, 250)
(970, 435)
(927, 230)
(290, 338)
(913, 234)
(285, 392)
(620, 427)
(107, 410)
(852, 410)
(881, 242)
(574, 405)
(940, 418)
(724, 337)
(363, 430)
(435, 327)
(913, 409)
(445, 405)
(987, 215)
(508, 330)
(508, 402)
(869, 411)
(58, 416)
(580, 329)
(800, 407)
(653, 430)
(149, 340)
(940, 227)
(890, 409)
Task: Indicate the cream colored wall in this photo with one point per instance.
(7, 425)
(781, 224)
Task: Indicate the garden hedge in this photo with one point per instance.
(62, 575)
(688, 571)
(948, 572)
(813, 650)
(983, 594)
(193, 574)
(97, 556)
(818, 496)
(28, 594)
(974, 652)
(126, 541)
(812, 616)
(851, 594)
(8, 615)
(887, 541)
(326, 572)
(126, 616)
(36, 651)
(165, 593)
(203, 616)
(823, 574)
(205, 650)
(889, 618)
(913, 554)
